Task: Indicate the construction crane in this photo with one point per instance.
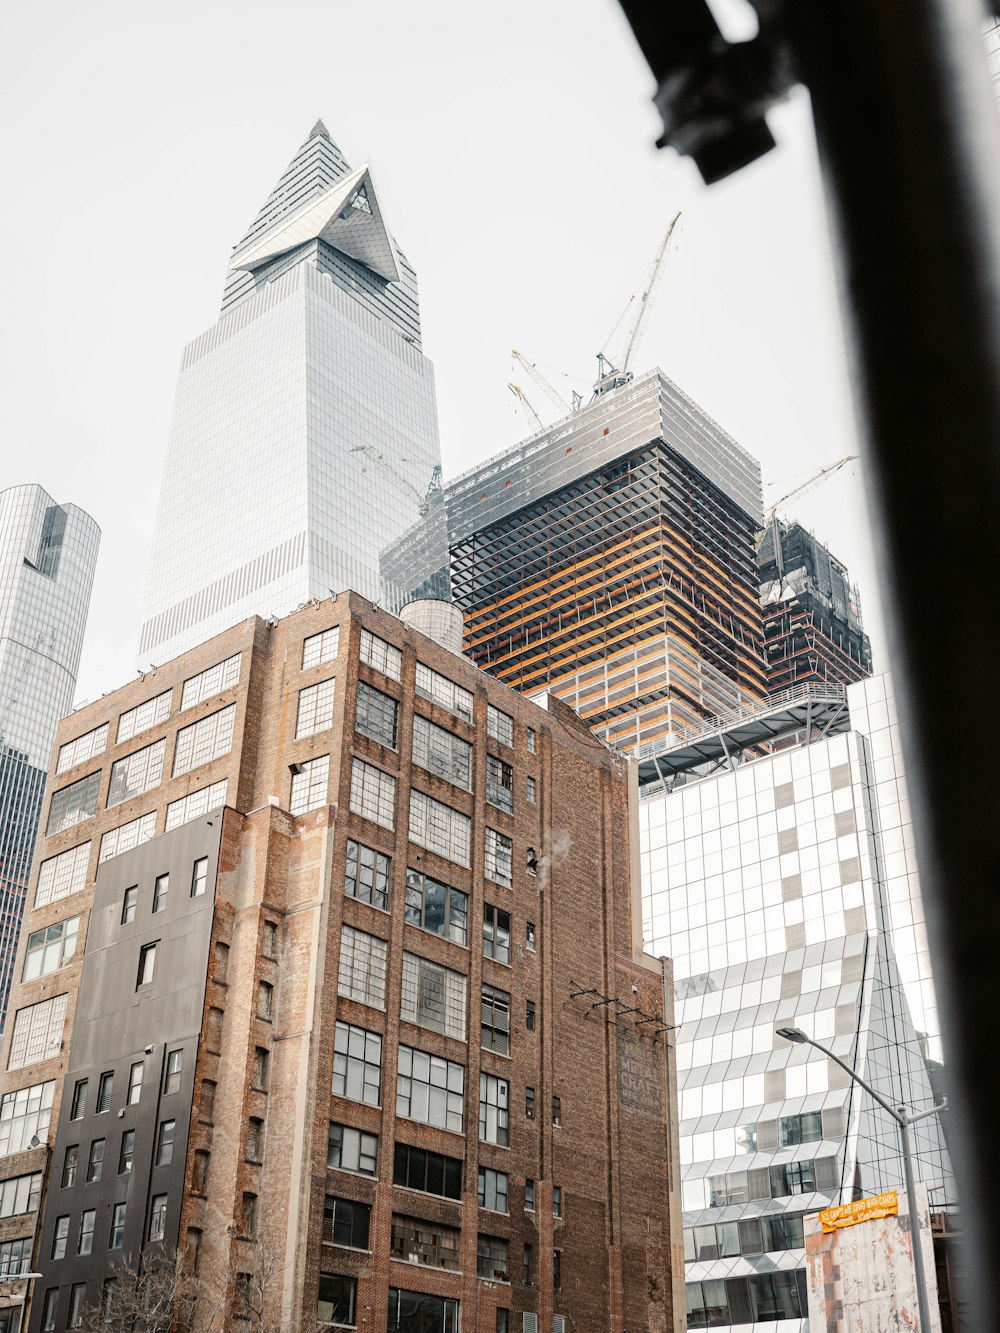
(522, 398)
(810, 484)
(610, 376)
(553, 395)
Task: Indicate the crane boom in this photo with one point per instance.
(553, 395)
(810, 484)
(522, 398)
(646, 300)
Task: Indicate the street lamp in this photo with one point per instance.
(904, 1122)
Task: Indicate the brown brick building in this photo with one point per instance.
(275, 879)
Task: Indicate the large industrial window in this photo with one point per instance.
(499, 784)
(430, 1090)
(493, 1109)
(20, 1194)
(336, 1301)
(433, 996)
(373, 794)
(126, 836)
(73, 804)
(496, 933)
(205, 740)
(366, 876)
(414, 1310)
(144, 716)
(210, 682)
(493, 1190)
(442, 752)
(38, 1032)
(346, 1222)
(357, 1064)
(495, 1027)
(83, 748)
(375, 652)
(62, 875)
(322, 647)
(430, 1172)
(499, 863)
(491, 1258)
(500, 726)
(309, 785)
(136, 773)
(196, 804)
(439, 828)
(420, 1242)
(436, 907)
(362, 967)
(315, 708)
(351, 1149)
(376, 716)
(50, 948)
(440, 690)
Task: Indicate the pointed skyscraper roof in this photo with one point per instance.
(319, 128)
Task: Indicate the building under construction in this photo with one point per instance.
(610, 561)
(812, 615)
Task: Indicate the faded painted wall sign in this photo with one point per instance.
(862, 1210)
(640, 1066)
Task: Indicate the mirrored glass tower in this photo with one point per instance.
(304, 440)
(47, 556)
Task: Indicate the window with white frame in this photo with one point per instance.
(430, 1090)
(24, 1114)
(126, 836)
(144, 716)
(315, 708)
(62, 875)
(375, 652)
(322, 647)
(439, 828)
(496, 933)
(136, 773)
(50, 948)
(357, 1064)
(204, 740)
(376, 715)
(440, 690)
(499, 858)
(495, 1020)
(19, 1195)
(437, 907)
(309, 785)
(373, 794)
(82, 749)
(494, 1109)
(433, 996)
(499, 784)
(196, 803)
(499, 725)
(210, 682)
(493, 1190)
(362, 967)
(73, 804)
(442, 753)
(366, 875)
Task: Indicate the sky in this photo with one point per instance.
(513, 148)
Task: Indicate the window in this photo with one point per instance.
(85, 1242)
(532, 740)
(429, 1243)
(261, 1070)
(430, 1090)
(503, 1321)
(77, 1304)
(49, 1310)
(160, 890)
(71, 1163)
(269, 944)
(310, 781)
(19, 1194)
(433, 996)
(83, 748)
(322, 647)
(37, 1032)
(556, 1111)
(366, 876)
(15, 1257)
(158, 1217)
(207, 1106)
(62, 875)
(442, 752)
(491, 1258)
(499, 784)
(531, 861)
(499, 725)
(221, 955)
(129, 903)
(50, 948)
(436, 907)
(444, 692)
(209, 738)
(529, 1103)
(529, 935)
(147, 964)
(196, 804)
(143, 716)
(135, 1083)
(346, 1222)
(794, 1129)
(373, 794)
(362, 967)
(439, 828)
(248, 1214)
(529, 1196)
(95, 1163)
(493, 1190)
(337, 1299)
(255, 1139)
(117, 1235)
(495, 1030)
(108, 1289)
(531, 790)
(529, 1015)
(199, 1170)
(165, 1142)
(556, 1201)
(499, 858)
(136, 773)
(315, 708)
(410, 1310)
(105, 1088)
(382, 656)
(376, 715)
(265, 1000)
(526, 1263)
(493, 1109)
(556, 1269)
(430, 1172)
(73, 804)
(60, 1238)
(210, 682)
(172, 1076)
(351, 1149)
(496, 933)
(357, 1064)
(126, 836)
(126, 1152)
(199, 877)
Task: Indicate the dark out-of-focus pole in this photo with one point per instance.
(909, 142)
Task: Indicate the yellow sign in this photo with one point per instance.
(862, 1210)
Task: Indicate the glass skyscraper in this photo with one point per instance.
(47, 556)
(304, 440)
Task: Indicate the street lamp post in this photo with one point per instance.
(904, 1121)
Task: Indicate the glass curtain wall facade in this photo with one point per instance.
(786, 891)
(48, 553)
(304, 439)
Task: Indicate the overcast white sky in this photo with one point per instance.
(513, 147)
